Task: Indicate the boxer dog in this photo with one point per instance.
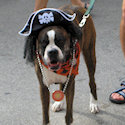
(54, 43)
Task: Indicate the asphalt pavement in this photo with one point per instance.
(19, 89)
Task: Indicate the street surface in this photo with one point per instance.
(19, 89)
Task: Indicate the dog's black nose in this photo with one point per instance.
(53, 52)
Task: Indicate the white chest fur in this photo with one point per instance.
(51, 77)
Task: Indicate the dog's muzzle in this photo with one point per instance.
(54, 61)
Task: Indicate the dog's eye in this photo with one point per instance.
(59, 43)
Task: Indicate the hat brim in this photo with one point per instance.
(47, 17)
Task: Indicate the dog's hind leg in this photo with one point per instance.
(90, 59)
(69, 101)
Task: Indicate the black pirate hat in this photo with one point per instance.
(50, 17)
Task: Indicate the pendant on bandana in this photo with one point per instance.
(58, 95)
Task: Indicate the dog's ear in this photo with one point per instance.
(75, 31)
(30, 48)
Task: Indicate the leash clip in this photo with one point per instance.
(83, 21)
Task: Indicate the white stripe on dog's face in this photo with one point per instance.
(51, 46)
(51, 36)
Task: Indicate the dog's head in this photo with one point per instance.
(52, 37)
(54, 46)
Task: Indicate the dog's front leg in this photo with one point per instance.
(45, 97)
(69, 101)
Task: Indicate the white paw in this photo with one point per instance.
(57, 106)
(93, 105)
(94, 108)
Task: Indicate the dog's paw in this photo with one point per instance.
(93, 105)
(94, 108)
(57, 106)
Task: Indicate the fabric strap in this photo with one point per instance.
(90, 7)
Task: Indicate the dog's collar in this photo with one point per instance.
(65, 68)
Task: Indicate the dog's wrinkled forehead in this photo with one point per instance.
(54, 35)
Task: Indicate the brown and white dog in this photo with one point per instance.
(53, 34)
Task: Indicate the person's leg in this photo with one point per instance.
(122, 28)
(79, 3)
(116, 96)
(39, 4)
